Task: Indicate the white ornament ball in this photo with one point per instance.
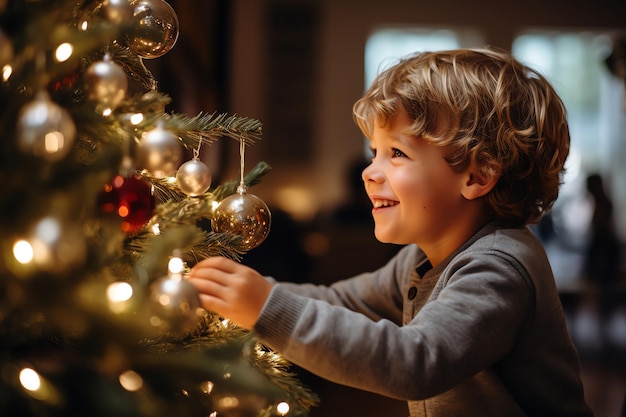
(194, 178)
(160, 152)
(176, 305)
(106, 83)
(58, 246)
(45, 129)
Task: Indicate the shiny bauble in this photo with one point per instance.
(245, 215)
(153, 102)
(116, 11)
(154, 28)
(45, 129)
(194, 178)
(159, 152)
(175, 305)
(58, 246)
(106, 83)
(131, 199)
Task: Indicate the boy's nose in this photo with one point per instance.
(371, 174)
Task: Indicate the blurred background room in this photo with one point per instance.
(299, 65)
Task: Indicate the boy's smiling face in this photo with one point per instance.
(416, 196)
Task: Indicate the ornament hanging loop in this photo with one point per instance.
(196, 151)
(242, 162)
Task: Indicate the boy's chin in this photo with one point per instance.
(382, 238)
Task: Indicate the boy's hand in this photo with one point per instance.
(230, 289)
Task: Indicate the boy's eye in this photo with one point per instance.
(397, 152)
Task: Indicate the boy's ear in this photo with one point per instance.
(479, 183)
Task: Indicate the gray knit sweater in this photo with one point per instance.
(481, 334)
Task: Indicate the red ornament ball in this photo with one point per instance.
(131, 199)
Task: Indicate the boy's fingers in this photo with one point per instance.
(208, 286)
(209, 274)
(212, 303)
(218, 263)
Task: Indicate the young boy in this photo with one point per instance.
(469, 147)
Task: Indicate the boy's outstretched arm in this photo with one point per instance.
(230, 289)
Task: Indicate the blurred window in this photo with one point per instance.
(574, 62)
(386, 45)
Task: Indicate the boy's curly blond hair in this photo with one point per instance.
(486, 109)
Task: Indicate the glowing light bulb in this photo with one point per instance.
(175, 265)
(119, 292)
(136, 118)
(282, 408)
(131, 381)
(64, 51)
(119, 296)
(54, 141)
(23, 251)
(7, 70)
(29, 379)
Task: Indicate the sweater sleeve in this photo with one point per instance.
(376, 294)
(468, 327)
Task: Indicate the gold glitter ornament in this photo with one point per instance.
(154, 28)
(245, 215)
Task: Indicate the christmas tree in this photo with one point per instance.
(101, 216)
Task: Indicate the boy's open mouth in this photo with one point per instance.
(384, 203)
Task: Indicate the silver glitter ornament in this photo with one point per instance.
(194, 177)
(45, 129)
(245, 215)
(159, 152)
